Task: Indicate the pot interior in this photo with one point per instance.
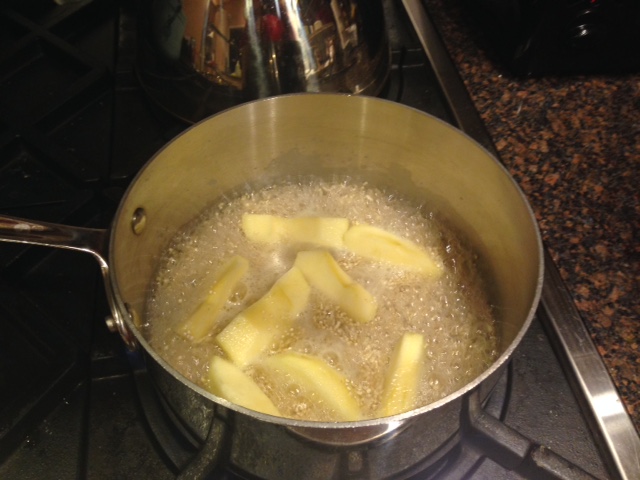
(326, 135)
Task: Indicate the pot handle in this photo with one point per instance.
(89, 240)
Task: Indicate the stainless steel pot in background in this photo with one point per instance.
(197, 57)
(366, 140)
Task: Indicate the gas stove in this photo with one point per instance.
(75, 127)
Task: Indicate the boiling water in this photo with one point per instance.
(452, 312)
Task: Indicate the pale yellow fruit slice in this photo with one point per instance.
(321, 231)
(323, 272)
(402, 378)
(324, 386)
(226, 279)
(229, 382)
(253, 330)
(380, 245)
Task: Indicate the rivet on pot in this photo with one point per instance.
(135, 318)
(115, 324)
(138, 221)
(111, 324)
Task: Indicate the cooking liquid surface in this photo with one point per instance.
(452, 312)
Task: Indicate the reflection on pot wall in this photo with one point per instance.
(197, 57)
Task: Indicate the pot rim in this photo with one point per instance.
(289, 422)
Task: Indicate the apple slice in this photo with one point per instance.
(318, 381)
(226, 279)
(320, 231)
(381, 245)
(323, 272)
(229, 382)
(251, 332)
(402, 378)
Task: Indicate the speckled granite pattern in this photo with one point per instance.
(573, 144)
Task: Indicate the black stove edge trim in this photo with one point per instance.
(587, 374)
(462, 107)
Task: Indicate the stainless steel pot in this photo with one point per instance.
(323, 135)
(197, 57)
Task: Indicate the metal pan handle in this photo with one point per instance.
(89, 240)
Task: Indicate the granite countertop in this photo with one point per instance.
(573, 145)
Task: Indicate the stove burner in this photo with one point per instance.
(488, 446)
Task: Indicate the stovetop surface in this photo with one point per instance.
(75, 127)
